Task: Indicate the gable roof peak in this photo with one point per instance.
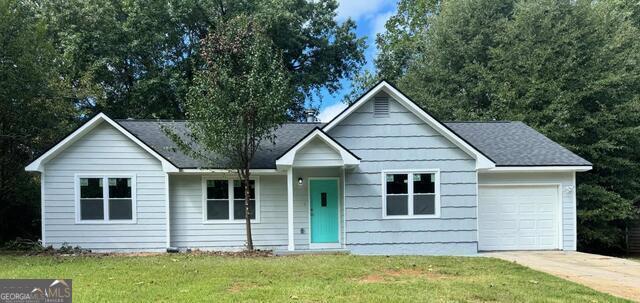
(482, 161)
(38, 163)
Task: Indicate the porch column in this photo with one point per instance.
(290, 207)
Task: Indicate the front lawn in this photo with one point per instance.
(324, 278)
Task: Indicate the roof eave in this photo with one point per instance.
(538, 168)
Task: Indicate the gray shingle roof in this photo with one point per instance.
(515, 144)
(506, 143)
(152, 134)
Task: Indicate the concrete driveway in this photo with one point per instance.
(616, 276)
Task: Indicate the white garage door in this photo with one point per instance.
(518, 217)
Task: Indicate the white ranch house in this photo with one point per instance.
(383, 177)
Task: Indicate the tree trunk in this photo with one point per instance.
(247, 214)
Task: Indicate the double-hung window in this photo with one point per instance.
(411, 194)
(224, 200)
(105, 199)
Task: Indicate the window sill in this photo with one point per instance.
(407, 217)
(103, 222)
(209, 222)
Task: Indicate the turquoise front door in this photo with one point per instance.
(323, 210)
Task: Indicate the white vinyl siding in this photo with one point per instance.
(188, 230)
(317, 153)
(402, 141)
(105, 152)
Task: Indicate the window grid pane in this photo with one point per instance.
(397, 184)
(424, 204)
(120, 209)
(238, 189)
(91, 188)
(218, 209)
(397, 205)
(217, 189)
(424, 183)
(238, 209)
(92, 209)
(120, 188)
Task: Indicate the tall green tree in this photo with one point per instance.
(568, 68)
(572, 70)
(33, 113)
(453, 57)
(403, 41)
(242, 94)
(137, 58)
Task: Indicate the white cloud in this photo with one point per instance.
(357, 9)
(379, 21)
(377, 24)
(331, 111)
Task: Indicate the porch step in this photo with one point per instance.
(336, 251)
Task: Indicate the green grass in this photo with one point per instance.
(325, 278)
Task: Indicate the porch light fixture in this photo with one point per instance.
(299, 181)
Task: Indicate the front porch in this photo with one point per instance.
(315, 169)
(298, 207)
(315, 208)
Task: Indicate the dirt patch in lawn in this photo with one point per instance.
(398, 275)
(239, 287)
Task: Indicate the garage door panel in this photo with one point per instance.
(546, 225)
(503, 240)
(548, 241)
(527, 224)
(527, 240)
(518, 217)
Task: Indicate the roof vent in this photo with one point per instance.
(311, 115)
(381, 107)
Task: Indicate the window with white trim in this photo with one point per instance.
(105, 199)
(224, 200)
(411, 194)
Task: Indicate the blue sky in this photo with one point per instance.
(370, 17)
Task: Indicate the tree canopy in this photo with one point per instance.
(34, 111)
(570, 69)
(138, 58)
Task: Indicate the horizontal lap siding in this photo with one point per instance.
(105, 151)
(317, 153)
(189, 231)
(565, 179)
(403, 141)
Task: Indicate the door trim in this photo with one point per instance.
(324, 245)
(559, 216)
